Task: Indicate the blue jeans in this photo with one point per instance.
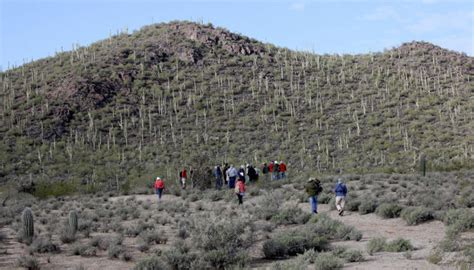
(232, 181)
(313, 201)
(159, 192)
(282, 175)
(218, 182)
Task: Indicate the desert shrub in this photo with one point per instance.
(459, 220)
(151, 263)
(388, 210)
(449, 244)
(398, 245)
(66, 236)
(323, 198)
(28, 262)
(327, 261)
(44, 245)
(180, 256)
(353, 256)
(269, 206)
(115, 251)
(333, 229)
(142, 246)
(222, 242)
(381, 244)
(416, 215)
(293, 242)
(435, 257)
(135, 229)
(296, 264)
(367, 206)
(376, 245)
(152, 236)
(353, 205)
(215, 195)
(84, 250)
(290, 215)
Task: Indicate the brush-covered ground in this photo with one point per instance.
(392, 221)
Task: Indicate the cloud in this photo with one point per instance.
(298, 6)
(437, 22)
(381, 14)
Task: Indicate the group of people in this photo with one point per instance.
(313, 189)
(235, 179)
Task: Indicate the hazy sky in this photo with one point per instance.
(35, 29)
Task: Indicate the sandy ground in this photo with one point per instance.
(424, 237)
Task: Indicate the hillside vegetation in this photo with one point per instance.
(112, 114)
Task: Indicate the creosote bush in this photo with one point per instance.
(388, 210)
(381, 244)
(416, 215)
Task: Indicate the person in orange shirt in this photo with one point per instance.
(159, 187)
(240, 190)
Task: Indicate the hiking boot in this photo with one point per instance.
(341, 213)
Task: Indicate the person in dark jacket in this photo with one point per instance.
(241, 174)
(341, 192)
(224, 173)
(276, 171)
(218, 175)
(313, 188)
(252, 174)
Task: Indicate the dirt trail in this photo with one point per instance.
(423, 237)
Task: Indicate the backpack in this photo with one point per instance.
(180, 174)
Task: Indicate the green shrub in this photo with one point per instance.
(28, 262)
(367, 206)
(151, 263)
(388, 210)
(398, 245)
(324, 198)
(44, 245)
(435, 257)
(333, 229)
(376, 245)
(292, 215)
(416, 215)
(459, 220)
(180, 256)
(294, 242)
(84, 250)
(353, 205)
(327, 261)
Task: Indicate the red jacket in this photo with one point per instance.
(282, 167)
(270, 167)
(184, 174)
(241, 186)
(159, 184)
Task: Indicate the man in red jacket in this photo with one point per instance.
(183, 175)
(159, 187)
(282, 170)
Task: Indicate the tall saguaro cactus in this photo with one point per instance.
(73, 222)
(423, 165)
(28, 225)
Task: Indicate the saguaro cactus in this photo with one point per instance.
(28, 225)
(73, 222)
(423, 165)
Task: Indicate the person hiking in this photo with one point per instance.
(159, 187)
(265, 171)
(241, 174)
(313, 188)
(276, 171)
(252, 174)
(240, 190)
(183, 175)
(282, 170)
(224, 173)
(218, 175)
(232, 175)
(341, 192)
(270, 169)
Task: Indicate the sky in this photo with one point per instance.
(31, 30)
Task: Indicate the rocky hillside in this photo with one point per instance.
(134, 105)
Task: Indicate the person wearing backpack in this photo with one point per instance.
(341, 192)
(276, 171)
(240, 190)
(159, 187)
(313, 189)
(265, 171)
(224, 173)
(252, 173)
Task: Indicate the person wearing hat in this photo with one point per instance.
(341, 192)
(313, 188)
(159, 187)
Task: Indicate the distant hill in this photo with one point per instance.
(136, 105)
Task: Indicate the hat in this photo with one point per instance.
(311, 179)
(339, 180)
(158, 178)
